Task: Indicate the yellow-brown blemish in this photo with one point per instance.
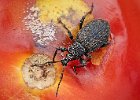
(53, 9)
(70, 12)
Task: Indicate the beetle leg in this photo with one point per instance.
(61, 77)
(83, 63)
(62, 49)
(69, 32)
(83, 18)
(79, 66)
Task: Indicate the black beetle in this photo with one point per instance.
(91, 37)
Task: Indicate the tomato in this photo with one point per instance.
(116, 78)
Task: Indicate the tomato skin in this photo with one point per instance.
(131, 15)
(118, 80)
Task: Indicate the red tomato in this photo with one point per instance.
(117, 78)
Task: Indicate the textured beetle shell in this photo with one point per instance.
(94, 35)
(76, 49)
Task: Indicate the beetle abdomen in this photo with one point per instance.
(94, 35)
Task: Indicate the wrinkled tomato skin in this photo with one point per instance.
(120, 78)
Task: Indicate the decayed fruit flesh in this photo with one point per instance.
(37, 75)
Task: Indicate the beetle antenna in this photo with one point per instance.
(45, 63)
(92, 6)
(61, 77)
(52, 62)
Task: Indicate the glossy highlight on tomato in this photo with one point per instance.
(116, 77)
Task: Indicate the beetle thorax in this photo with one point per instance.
(76, 50)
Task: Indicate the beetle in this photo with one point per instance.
(91, 37)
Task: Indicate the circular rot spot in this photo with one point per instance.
(36, 74)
